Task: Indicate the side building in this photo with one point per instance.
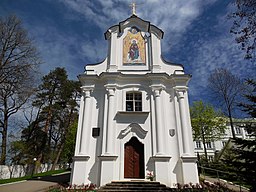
(214, 147)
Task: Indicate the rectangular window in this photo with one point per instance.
(208, 145)
(133, 101)
(198, 144)
(238, 130)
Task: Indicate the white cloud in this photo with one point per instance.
(55, 49)
(217, 51)
(173, 16)
(95, 50)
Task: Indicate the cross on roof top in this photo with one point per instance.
(133, 6)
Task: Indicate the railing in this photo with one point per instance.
(215, 175)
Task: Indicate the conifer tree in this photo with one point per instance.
(245, 149)
(45, 137)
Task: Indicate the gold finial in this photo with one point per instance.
(133, 6)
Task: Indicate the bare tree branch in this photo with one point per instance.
(18, 62)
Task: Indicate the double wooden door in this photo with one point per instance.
(134, 159)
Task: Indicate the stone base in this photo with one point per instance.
(162, 169)
(189, 169)
(108, 170)
(79, 177)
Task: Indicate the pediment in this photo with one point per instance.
(143, 25)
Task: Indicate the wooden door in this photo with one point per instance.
(134, 159)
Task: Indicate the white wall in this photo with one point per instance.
(15, 171)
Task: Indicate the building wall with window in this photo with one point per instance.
(215, 147)
(134, 113)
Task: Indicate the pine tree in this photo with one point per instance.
(46, 136)
(244, 162)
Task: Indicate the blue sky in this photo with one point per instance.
(70, 34)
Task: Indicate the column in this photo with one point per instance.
(110, 118)
(159, 126)
(183, 119)
(85, 136)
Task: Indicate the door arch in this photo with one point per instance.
(134, 159)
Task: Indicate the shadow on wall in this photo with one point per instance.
(178, 170)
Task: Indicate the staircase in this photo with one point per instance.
(137, 186)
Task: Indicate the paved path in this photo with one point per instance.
(36, 185)
(27, 186)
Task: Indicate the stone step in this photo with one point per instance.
(136, 186)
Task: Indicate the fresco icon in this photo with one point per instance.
(134, 47)
(134, 52)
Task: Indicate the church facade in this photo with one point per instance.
(134, 113)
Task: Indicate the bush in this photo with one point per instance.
(204, 186)
(75, 188)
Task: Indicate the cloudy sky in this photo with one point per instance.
(70, 34)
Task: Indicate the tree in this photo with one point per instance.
(226, 89)
(57, 100)
(18, 65)
(244, 162)
(47, 135)
(207, 124)
(244, 26)
(67, 116)
(69, 147)
(49, 100)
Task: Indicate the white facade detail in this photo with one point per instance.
(134, 113)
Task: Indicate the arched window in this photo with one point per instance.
(133, 101)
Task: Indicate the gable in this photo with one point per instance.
(134, 47)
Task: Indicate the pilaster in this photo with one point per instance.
(185, 126)
(85, 131)
(159, 123)
(110, 129)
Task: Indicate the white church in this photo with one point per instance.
(134, 113)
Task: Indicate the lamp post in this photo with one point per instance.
(34, 166)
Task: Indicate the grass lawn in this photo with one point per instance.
(48, 173)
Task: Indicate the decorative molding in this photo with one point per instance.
(87, 90)
(171, 132)
(135, 128)
(111, 89)
(180, 92)
(156, 89)
(107, 157)
(81, 158)
(188, 159)
(133, 112)
(162, 158)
